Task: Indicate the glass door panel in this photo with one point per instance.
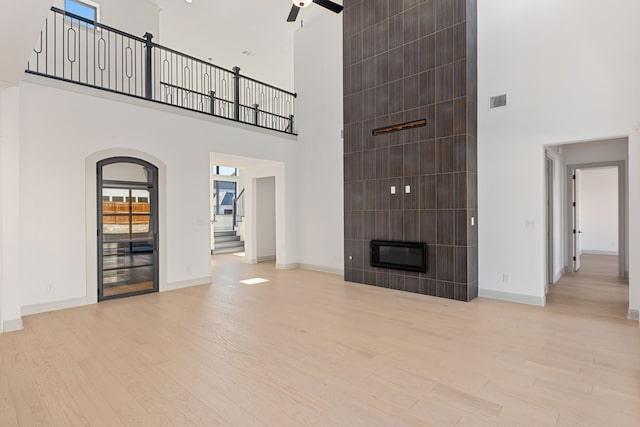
(128, 231)
(125, 281)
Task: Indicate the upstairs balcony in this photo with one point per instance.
(78, 50)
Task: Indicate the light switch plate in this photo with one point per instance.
(393, 189)
(407, 189)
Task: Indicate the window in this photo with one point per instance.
(86, 9)
(225, 171)
(224, 193)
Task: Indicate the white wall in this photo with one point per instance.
(11, 244)
(223, 30)
(2, 180)
(599, 210)
(568, 82)
(2, 114)
(20, 25)
(61, 241)
(610, 150)
(265, 190)
(131, 16)
(318, 65)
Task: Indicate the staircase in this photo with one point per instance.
(226, 239)
(227, 242)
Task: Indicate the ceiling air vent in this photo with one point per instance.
(498, 101)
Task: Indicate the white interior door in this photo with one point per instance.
(577, 249)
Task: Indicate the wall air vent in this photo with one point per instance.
(498, 101)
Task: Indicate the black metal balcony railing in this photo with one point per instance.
(78, 50)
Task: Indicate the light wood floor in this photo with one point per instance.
(595, 290)
(599, 265)
(306, 348)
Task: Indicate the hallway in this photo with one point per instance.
(596, 290)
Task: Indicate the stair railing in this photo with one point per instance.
(238, 209)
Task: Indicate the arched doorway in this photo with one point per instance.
(127, 218)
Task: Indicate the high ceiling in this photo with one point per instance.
(20, 22)
(223, 29)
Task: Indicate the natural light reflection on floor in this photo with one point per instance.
(239, 254)
(254, 281)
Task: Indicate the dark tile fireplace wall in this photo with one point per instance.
(407, 60)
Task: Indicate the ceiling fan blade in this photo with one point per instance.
(334, 7)
(293, 15)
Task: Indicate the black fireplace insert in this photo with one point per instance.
(407, 256)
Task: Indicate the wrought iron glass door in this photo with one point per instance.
(127, 228)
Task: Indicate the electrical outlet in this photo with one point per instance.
(50, 287)
(506, 278)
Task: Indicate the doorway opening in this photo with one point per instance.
(587, 222)
(258, 214)
(227, 210)
(127, 218)
(597, 219)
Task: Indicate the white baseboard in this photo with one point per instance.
(186, 284)
(53, 306)
(28, 310)
(590, 252)
(290, 266)
(510, 297)
(633, 314)
(266, 258)
(12, 325)
(339, 271)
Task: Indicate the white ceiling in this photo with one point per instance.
(223, 29)
(20, 25)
